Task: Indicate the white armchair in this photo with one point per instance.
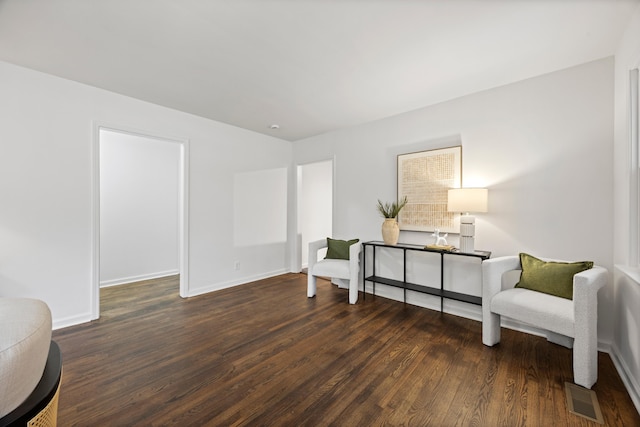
(343, 273)
(572, 323)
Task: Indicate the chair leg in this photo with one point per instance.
(585, 362)
(311, 285)
(490, 329)
(353, 291)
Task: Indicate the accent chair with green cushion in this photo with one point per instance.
(558, 297)
(341, 265)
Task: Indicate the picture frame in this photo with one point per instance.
(424, 178)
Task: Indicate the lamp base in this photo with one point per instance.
(467, 244)
(467, 231)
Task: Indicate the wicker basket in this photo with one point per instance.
(48, 417)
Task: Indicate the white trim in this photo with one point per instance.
(183, 203)
(71, 321)
(424, 300)
(236, 282)
(131, 279)
(632, 273)
(297, 263)
(634, 163)
(184, 218)
(295, 254)
(334, 193)
(94, 292)
(630, 383)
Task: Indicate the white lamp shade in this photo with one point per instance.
(468, 200)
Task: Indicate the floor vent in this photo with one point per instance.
(583, 402)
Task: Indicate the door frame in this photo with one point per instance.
(298, 261)
(183, 207)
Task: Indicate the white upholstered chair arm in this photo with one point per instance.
(586, 285)
(492, 271)
(354, 261)
(588, 282)
(314, 247)
(585, 315)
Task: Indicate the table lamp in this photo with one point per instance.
(465, 201)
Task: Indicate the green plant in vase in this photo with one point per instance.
(390, 227)
(391, 210)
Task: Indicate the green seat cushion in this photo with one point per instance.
(550, 277)
(339, 249)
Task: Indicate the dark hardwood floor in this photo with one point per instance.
(265, 354)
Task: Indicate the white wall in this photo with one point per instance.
(626, 310)
(46, 131)
(139, 179)
(260, 198)
(543, 147)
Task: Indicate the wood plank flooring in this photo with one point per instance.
(265, 354)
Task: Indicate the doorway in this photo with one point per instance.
(315, 205)
(140, 203)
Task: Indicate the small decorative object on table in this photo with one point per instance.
(440, 242)
(390, 228)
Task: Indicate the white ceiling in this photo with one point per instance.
(310, 66)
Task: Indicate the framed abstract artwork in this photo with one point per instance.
(425, 178)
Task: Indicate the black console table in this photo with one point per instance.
(404, 247)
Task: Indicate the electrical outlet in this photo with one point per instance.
(236, 265)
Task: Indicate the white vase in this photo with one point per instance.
(390, 231)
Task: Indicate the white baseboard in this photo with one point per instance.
(71, 321)
(123, 280)
(432, 302)
(84, 318)
(629, 381)
(231, 283)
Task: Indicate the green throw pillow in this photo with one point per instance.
(550, 277)
(339, 249)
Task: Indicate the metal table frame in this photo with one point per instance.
(405, 247)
